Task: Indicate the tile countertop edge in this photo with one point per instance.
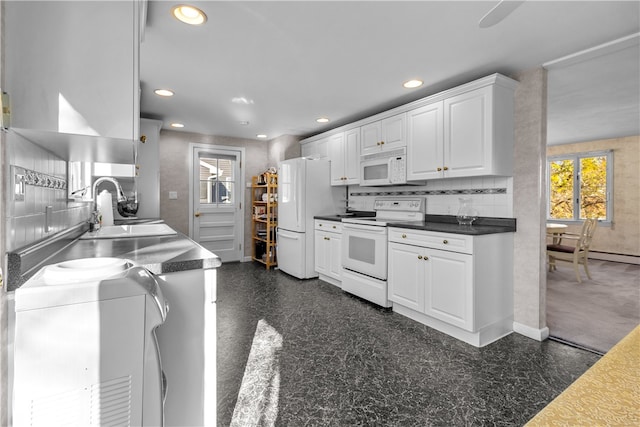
(173, 254)
(455, 228)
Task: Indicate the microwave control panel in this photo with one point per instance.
(398, 172)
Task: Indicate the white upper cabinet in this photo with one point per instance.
(148, 169)
(425, 138)
(344, 153)
(72, 67)
(469, 134)
(461, 132)
(315, 149)
(383, 135)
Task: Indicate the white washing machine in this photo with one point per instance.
(85, 347)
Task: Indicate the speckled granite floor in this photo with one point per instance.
(316, 356)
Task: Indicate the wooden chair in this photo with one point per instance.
(578, 253)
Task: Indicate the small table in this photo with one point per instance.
(557, 230)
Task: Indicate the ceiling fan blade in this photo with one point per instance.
(499, 12)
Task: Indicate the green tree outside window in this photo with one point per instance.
(579, 186)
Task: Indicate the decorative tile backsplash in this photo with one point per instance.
(432, 192)
(37, 204)
(42, 180)
(491, 196)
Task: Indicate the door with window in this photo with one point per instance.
(216, 209)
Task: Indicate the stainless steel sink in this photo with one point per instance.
(128, 231)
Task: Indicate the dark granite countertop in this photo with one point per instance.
(443, 224)
(159, 254)
(449, 224)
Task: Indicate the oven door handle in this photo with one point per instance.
(369, 228)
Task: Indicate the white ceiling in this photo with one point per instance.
(299, 60)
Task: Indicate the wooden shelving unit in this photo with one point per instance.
(264, 190)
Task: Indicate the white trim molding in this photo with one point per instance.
(529, 332)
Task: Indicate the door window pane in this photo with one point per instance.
(217, 180)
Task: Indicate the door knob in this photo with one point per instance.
(197, 214)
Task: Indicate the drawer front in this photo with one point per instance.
(431, 239)
(330, 226)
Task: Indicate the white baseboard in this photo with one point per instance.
(606, 256)
(529, 332)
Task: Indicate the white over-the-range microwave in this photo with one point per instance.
(385, 168)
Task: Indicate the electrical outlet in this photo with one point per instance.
(173, 195)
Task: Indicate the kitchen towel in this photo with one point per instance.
(105, 206)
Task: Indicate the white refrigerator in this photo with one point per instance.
(304, 191)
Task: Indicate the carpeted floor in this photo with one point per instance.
(596, 313)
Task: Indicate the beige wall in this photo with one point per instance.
(174, 171)
(623, 236)
(528, 202)
(284, 147)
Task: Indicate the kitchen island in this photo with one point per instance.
(186, 273)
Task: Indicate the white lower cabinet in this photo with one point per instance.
(459, 284)
(328, 251)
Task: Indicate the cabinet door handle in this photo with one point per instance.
(197, 214)
(445, 242)
(334, 226)
(426, 258)
(439, 169)
(381, 142)
(326, 238)
(319, 225)
(404, 236)
(446, 168)
(419, 256)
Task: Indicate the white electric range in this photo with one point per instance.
(364, 246)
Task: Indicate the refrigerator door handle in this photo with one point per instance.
(283, 234)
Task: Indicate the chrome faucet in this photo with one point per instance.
(120, 194)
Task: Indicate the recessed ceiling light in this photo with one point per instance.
(163, 92)
(322, 120)
(261, 135)
(189, 14)
(412, 84)
(177, 125)
(242, 100)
